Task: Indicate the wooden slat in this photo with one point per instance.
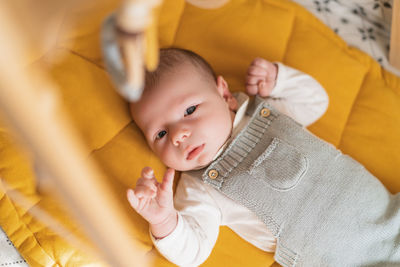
(394, 54)
(30, 104)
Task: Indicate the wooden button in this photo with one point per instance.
(213, 174)
(265, 112)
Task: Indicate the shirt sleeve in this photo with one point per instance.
(197, 230)
(298, 95)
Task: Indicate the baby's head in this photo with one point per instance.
(185, 112)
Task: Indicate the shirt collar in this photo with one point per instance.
(243, 102)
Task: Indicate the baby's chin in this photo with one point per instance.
(190, 165)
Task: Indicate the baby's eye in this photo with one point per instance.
(190, 110)
(161, 134)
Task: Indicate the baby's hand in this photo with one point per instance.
(261, 77)
(154, 201)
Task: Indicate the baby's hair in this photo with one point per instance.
(170, 58)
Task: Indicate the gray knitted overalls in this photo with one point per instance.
(324, 208)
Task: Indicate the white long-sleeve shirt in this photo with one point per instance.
(202, 209)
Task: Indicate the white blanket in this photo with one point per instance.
(364, 24)
(9, 256)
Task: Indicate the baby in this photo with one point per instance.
(255, 168)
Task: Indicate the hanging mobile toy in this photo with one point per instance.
(129, 44)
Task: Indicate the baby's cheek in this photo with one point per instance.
(169, 158)
(204, 159)
(221, 130)
(165, 155)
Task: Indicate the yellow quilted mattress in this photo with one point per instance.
(363, 118)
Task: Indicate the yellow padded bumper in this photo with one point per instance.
(363, 118)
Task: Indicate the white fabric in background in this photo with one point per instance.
(364, 24)
(9, 256)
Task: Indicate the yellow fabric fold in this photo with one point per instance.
(363, 118)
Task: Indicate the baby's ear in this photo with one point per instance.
(223, 90)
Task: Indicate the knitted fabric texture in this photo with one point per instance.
(324, 208)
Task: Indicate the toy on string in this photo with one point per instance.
(130, 45)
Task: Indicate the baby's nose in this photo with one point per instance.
(179, 136)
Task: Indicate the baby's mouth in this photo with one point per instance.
(195, 152)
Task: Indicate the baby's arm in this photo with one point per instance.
(191, 241)
(292, 92)
(198, 225)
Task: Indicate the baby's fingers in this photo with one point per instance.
(143, 202)
(138, 200)
(145, 191)
(168, 180)
(257, 71)
(148, 173)
(132, 198)
(260, 62)
(252, 89)
(253, 80)
(150, 183)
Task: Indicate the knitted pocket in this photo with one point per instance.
(281, 165)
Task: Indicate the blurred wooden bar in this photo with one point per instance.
(394, 53)
(30, 104)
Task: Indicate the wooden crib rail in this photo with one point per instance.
(394, 53)
(30, 105)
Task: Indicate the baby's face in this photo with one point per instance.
(185, 119)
